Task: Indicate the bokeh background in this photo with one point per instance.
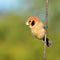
(16, 40)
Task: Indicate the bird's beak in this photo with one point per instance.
(27, 23)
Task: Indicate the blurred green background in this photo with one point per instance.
(16, 40)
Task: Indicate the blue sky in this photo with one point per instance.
(6, 5)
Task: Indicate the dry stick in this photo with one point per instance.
(45, 48)
(46, 14)
(46, 29)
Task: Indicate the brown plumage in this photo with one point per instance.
(37, 28)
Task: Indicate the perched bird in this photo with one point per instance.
(37, 28)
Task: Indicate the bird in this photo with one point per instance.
(38, 29)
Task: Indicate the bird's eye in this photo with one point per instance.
(29, 21)
(33, 23)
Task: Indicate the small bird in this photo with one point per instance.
(37, 28)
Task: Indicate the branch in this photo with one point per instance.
(46, 29)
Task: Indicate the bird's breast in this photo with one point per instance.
(38, 32)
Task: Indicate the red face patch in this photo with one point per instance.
(33, 18)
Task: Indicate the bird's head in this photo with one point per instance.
(32, 21)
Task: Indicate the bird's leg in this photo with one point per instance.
(45, 27)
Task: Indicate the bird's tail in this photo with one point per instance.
(48, 42)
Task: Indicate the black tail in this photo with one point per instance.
(47, 41)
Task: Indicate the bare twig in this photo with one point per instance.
(45, 48)
(46, 29)
(46, 14)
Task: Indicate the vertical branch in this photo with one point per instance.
(46, 14)
(45, 48)
(46, 29)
